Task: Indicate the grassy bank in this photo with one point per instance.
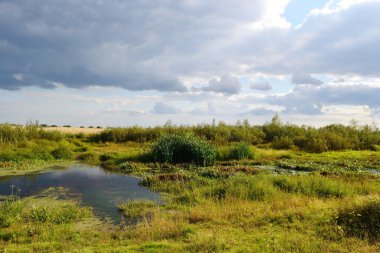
(240, 213)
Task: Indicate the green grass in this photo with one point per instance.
(361, 220)
(137, 208)
(232, 206)
(62, 214)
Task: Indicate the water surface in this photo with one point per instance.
(98, 188)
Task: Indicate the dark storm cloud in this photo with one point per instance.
(137, 45)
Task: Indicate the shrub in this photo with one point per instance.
(241, 151)
(62, 152)
(89, 157)
(282, 143)
(374, 148)
(316, 145)
(41, 153)
(183, 149)
(362, 221)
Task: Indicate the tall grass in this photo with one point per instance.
(10, 134)
(10, 209)
(62, 214)
(361, 220)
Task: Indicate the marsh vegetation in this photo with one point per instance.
(224, 188)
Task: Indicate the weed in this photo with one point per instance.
(10, 209)
(362, 220)
(67, 213)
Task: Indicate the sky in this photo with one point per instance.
(139, 62)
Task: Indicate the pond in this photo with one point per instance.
(98, 188)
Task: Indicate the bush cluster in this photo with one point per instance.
(62, 152)
(240, 151)
(183, 149)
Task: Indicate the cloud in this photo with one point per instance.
(162, 108)
(171, 46)
(227, 84)
(311, 99)
(260, 111)
(154, 45)
(305, 78)
(134, 45)
(263, 86)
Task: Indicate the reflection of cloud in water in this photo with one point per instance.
(100, 189)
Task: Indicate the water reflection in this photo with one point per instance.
(98, 188)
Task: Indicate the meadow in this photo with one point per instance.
(226, 188)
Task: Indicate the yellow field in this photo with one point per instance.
(74, 130)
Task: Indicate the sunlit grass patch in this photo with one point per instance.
(10, 209)
(59, 214)
(137, 208)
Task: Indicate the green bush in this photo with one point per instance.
(362, 221)
(240, 151)
(62, 152)
(39, 152)
(282, 143)
(316, 145)
(183, 149)
(89, 157)
(374, 148)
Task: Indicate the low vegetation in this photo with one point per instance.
(361, 220)
(183, 149)
(225, 188)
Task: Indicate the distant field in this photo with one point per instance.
(75, 130)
